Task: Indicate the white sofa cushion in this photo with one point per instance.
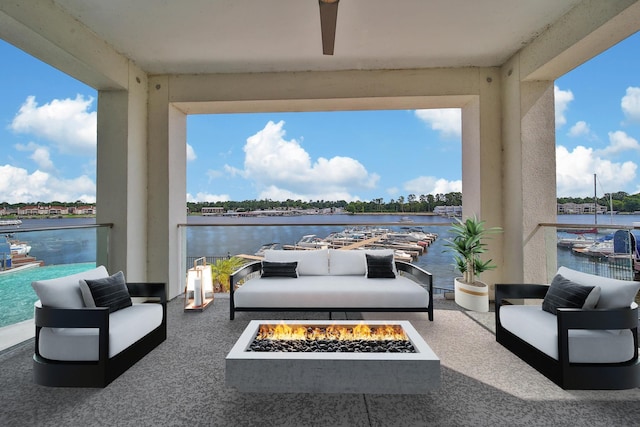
(64, 292)
(614, 293)
(126, 326)
(327, 292)
(310, 263)
(347, 263)
(539, 328)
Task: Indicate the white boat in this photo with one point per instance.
(20, 249)
(312, 241)
(9, 222)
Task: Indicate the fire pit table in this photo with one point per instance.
(378, 357)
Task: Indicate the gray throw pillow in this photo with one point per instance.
(563, 293)
(109, 292)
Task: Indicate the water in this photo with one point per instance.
(70, 251)
(17, 296)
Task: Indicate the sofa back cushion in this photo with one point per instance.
(310, 263)
(347, 262)
(64, 292)
(614, 293)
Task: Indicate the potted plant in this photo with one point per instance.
(468, 245)
(223, 268)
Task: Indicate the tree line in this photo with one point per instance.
(621, 201)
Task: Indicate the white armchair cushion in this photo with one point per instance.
(614, 293)
(310, 263)
(64, 292)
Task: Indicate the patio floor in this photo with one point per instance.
(182, 383)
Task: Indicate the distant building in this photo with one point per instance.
(212, 210)
(580, 208)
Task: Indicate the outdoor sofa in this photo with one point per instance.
(592, 340)
(92, 327)
(331, 280)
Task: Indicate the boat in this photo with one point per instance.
(20, 248)
(311, 241)
(265, 247)
(10, 222)
(575, 242)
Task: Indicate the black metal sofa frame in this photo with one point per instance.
(102, 372)
(572, 376)
(423, 277)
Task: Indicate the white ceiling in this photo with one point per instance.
(221, 36)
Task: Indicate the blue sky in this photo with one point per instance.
(48, 138)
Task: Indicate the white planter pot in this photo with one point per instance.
(472, 297)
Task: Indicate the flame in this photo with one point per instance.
(361, 331)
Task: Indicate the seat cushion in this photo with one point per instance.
(539, 328)
(126, 326)
(64, 292)
(331, 291)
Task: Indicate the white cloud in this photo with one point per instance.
(562, 100)
(191, 153)
(447, 121)
(17, 185)
(581, 128)
(282, 169)
(206, 197)
(631, 104)
(432, 185)
(619, 142)
(67, 123)
(575, 169)
(39, 154)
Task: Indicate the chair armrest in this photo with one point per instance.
(98, 317)
(50, 317)
(153, 290)
(243, 272)
(519, 291)
(575, 318)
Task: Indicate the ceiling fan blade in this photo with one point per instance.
(328, 19)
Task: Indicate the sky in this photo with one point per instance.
(48, 141)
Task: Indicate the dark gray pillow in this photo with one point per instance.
(380, 267)
(563, 293)
(280, 269)
(110, 292)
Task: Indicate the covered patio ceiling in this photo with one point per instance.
(248, 36)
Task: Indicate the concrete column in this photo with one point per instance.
(481, 164)
(121, 177)
(530, 173)
(167, 198)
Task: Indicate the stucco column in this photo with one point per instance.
(167, 200)
(482, 164)
(121, 177)
(530, 174)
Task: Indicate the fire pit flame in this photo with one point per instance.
(361, 331)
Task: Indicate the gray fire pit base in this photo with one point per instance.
(371, 373)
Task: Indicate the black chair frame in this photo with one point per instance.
(572, 376)
(102, 372)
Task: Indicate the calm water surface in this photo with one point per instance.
(69, 251)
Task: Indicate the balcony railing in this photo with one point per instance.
(48, 252)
